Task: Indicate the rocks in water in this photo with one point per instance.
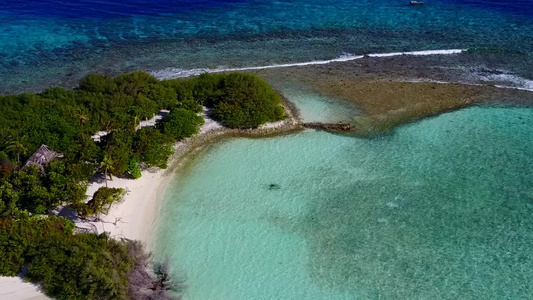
(335, 127)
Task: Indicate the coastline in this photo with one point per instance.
(135, 217)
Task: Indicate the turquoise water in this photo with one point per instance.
(313, 107)
(441, 209)
(55, 42)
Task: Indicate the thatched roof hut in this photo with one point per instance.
(41, 157)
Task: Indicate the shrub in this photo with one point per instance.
(18, 236)
(181, 123)
(102, 200)
(81, 266)
(133, 169)
(98, 83)
(119, 145)
(153, 147)
(75, 266)
(246, 101)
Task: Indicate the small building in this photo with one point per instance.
(41, 157)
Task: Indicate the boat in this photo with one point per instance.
(414, 2)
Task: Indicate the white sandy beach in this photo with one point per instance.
(15, 288)
(133, 218)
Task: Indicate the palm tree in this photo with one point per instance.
(82, 116)
(136, 119)
(18, 148)
(107, 165)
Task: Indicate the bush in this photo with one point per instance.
(181, 123)
(153, 147)
(75, 266)
(17, 237)
(119, 145)
(81, 266)
(98, 83)
(133, 169)
(246, 101)
(102, 200)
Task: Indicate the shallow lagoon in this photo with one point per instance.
(441, 209)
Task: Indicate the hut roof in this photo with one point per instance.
(41, 157)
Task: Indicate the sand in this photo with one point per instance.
(134, 217)
(15, 288)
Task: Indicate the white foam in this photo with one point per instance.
(171, 73)
(516, 82)
(526, 87)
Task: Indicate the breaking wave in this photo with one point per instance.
(504, 79)
(171, 73)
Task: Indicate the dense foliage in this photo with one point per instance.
(102, 200)
(239, 100)
(153, 147)
(17, 237)
(74, 266)
(181, 123)
(84, 265)
(81, 266)
(34, 191)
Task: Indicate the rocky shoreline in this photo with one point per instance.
(331, 127)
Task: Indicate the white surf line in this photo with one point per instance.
(513, 88)
(471, 84)
(171, 73)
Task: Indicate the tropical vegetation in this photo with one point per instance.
(88, 265)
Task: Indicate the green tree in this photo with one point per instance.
(31, 195)
(98, 83)
(106, 165)
(119, 148)
(8, 199)
(181, 123)
(63, 182)
(102, 200)
(83, 117)
(17, 237)
(17, 148)
(246, 101)
(133, 169)
(153, 147)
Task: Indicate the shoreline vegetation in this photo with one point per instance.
(197, 112)
(44, 246)
(134, 217)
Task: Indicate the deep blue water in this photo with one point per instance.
(56, 42)
(109, 9)
(49, 42)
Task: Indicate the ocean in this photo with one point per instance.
(441, 208)
(49, 42)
